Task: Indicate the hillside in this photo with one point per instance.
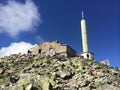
(36, 72)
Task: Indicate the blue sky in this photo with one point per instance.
(30, 22)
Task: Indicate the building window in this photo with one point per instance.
(87, 55)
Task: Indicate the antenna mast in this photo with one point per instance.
(82, 15)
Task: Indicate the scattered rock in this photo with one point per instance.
(37, 72)
(14, 78)
(2, 70)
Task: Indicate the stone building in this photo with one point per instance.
(53, 48)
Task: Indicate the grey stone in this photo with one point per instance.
(63, 74)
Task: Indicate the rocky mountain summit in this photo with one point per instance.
(36, 72)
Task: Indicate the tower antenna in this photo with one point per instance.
(82, 15)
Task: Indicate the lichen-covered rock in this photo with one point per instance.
(46, 83)
(2, 70)
(35, 72)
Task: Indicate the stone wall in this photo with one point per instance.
(70, 52)
(53, 48)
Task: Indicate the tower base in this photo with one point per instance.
(87, 55)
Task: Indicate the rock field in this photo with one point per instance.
(36, 72)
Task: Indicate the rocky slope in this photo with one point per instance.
(35, 72)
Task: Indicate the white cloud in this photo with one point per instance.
(15, 48)
(16, 17)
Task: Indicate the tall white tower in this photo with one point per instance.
(84, 34)
(86, 54)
